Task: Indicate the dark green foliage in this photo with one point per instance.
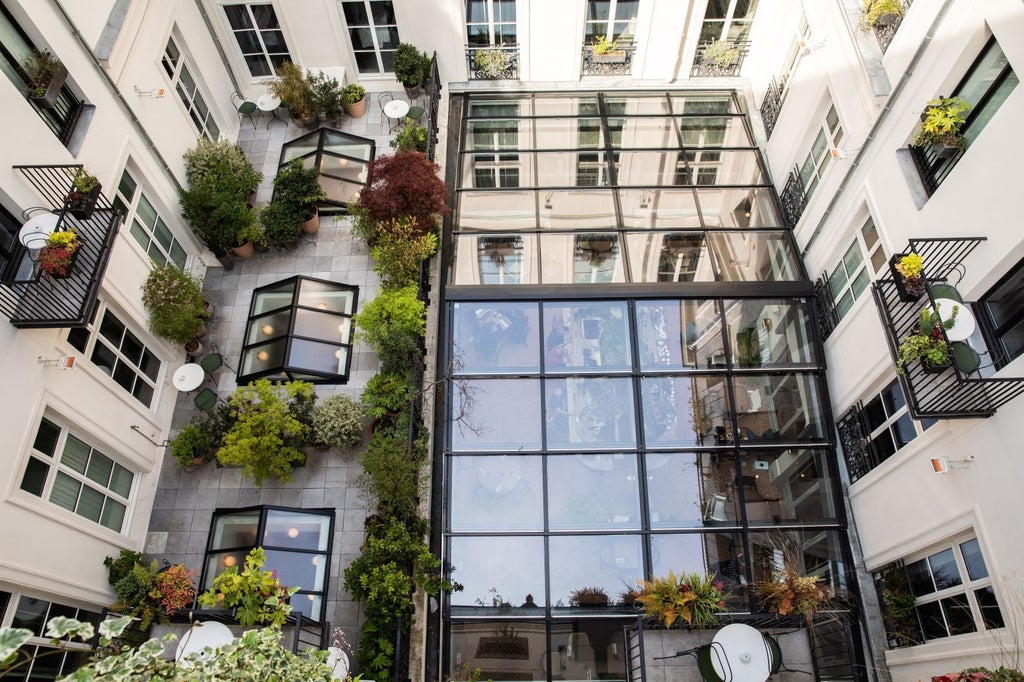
(122, 565)
(389, 473)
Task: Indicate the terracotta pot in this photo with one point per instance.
(356, 110)
(246, 250)
(194, 347)
(312, 226)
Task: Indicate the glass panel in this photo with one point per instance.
(497, 493)
(216, 563)
(65, 491)
(671, 257)
(496, 337)
(690, 490)
(991, 616)
(497, 572)
(586, 336)
(792, 486)
(944, 569)
(769, 332)
(90, 504)
(34, 478)
(958, 614)
(325, 296)
(718, 554)
(754, 256)
(778, 407)
(919, 578)
(580, 259)
(678, 334)
(46, 437)
(263, 357)
(113, 515)
(500, 649)
(274, 298)
(593, 492)
(479, 402)
(497, 211)
(314, 356)
(738, 208)
(589, 413)
(31, 615)
(235, 530)
(607, 562)
(659, 208)
(99, 469)
(269, 326)
(76, 454)
(669, 411)
(972, 557)
(811, 552)
(322, 326)
(577, 209)
(294, 530)
(298, 569)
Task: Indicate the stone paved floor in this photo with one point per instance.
(185, 500)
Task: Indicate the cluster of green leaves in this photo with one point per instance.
(175, 302)
(216, 203)
(872, 10)
(256, 594)
(389, 478)
(943, 119)
(927, 342)
(692, 598)
(398, 251)
(146, 593)
(296, 193)
(411, 137)
(387, 394)
(391, 324)
(338, 421)
(410, 65)
(198, 441)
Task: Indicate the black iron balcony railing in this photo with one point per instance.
(771, 105)
(33, 299)
(716, 63)
(932, 166)
(793, 198)
(886, 32)
(433, 90)
(497, 62)
(952, 392)
(825, 305)
(616, 63)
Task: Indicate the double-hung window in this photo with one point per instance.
(986, 86)
(118, 351)
(259, 37)
(728, 20)
(829, 135)
(185, 84)
(42, 660)
(1001, 314)
(613, 19)
(490, 22)
(146, 225)
(71, 473)
(852, 275)
(373, 31)
(493, 166)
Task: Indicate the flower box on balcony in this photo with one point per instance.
(909, 289)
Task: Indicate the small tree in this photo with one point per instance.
(399, 249)
(405, 184)
(257, 593)
(267, 431)
(391, 324)
(175, 302)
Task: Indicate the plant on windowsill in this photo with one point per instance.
(789, 591)
(492, 62)
(589, 596)
(45, 75)
(57, 258)
(257, 595)
(927, 343)
(908, 275)
(175, 302)
(719, 54)
(607, 51)
(353, 98)
(879, 13)
(689, 597)
(85, 192)
(940, 126)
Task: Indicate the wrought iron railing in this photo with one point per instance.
(617, 63)
(825, 305)
(886, 32)
(932, 167)
(771, 106)
(710, 65)
(62, 117)
(38, 300)
(497, 62)
(860, 455)
(433, 104)
(793, 198)
(949, 393)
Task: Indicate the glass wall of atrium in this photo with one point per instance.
(635, 382)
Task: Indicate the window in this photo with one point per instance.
(613, 19)
(813, 168)
(501, 260)
(491, 22)
(1001, 313)
(850, 278)
(796, 50)
(69, 472)
(591, 167)
(728, 20)
(698, 165)
(147, 227)
(297, 543)
(119, 352)
(952, 590)
(985, 87)
(184, 83)
(259, 37)
(495, 169)
(373, 30)
(32, 614)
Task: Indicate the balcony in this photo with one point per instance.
(793, 198)
(496, 62)
(884, 33)
(617, 63)
(956, 391)
(716, 63)
(33, 299)
(771, 106)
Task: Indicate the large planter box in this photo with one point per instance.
(49, 98)
(906, 294)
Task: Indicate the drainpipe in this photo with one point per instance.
(878, 123)
(116, 92)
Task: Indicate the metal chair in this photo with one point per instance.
(415, 113)
(206, 399)
(214, 361)
(775, 656)
(966, 359)
(244, 108)
(382, 100)
(707, 656)
(946, 291)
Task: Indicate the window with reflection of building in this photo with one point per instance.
(490, 136)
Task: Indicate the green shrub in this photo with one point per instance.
(193, 444)
(257, 594)
(400, 248)
(391, 324)
(410, 65)
(390, 467)
(387, 394)
(175, 302)
(411, 137)
(326, 94)
(208, 159)
(352, 93)
(122, 565)
(281, 226)
(338, 421)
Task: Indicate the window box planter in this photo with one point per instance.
(929, 368)
(908, 291)
(81, 205)
(943, 151)
(48, 99)
(610, 58)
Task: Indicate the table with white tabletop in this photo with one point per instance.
(396, 110)
(188, 377)
(37, 230)
(964, 323)
(745, 654)
(268, 104)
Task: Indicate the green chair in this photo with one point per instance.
(206, 399)
(946, 291)
(707, 656)
(775, 656)
(244, 108)
(966, 359)
(415, 113)
(214, 361)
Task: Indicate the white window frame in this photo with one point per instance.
(56, 466)
(87, 347)
(373, 28)
(728, 22)
(179, 72)
(253, 27)
(489, 24)
(488, 155)
(796, 51)
(157, 252)
(828, 136)
(45, 644)
(606, 27)
(871, 261)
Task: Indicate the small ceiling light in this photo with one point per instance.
(230, 560)
(293, 532)
(322, 305)
(267, 329)
(262, 356)
(337, 354)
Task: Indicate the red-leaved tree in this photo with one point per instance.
(405, 185)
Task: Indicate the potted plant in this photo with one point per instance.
(719, 54)
(326, 96)
(257, 595)
(789, 591)
(297, 190)
(939, 129)
(267, 429)
(338, 421)
(608, 51)
(391, 324)
(908, 276)
(689, 597)
(879, 13)
(404, 184)
(295, 91)
(193, 446)
(85, 192)
(411, 137)
(410, 67)
(45, 75)
(386, 394)
(399, 251)
(492, 62)
(175, 302)
(589, 596)
(57, 258)
(928, 343)
(208, 160)
(353, 98)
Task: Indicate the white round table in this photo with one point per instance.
(396, 108)
(201, 635)
(37, 230)
(745, 653)
(267, 102)
(964, 323)
(188, 377)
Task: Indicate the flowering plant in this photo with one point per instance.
(1001, 674)
(175, 588)
(55, 258)
(910, 266)
(259, 595)
(790, 592)
(691, 597)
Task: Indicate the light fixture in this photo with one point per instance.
(315, 560)
(262, 356)
(64, 362)
(293, 532)
(943, 465)
(267, 329)
(322, 305)
(230, 560)
(337, 354)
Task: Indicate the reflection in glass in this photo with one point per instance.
(496, 337)
(597, 258)
(659, 208)
(495, 259)
(792, 486)
(589, 412)
(235, 530)
(679, 333)
(778, 407)
(669, 257)
(754, 256)
(298, 569)
(502, 492)
(765, 332)
(740, 208)
(610, 562)
(295, 530)
(691, 490)
(498, 571)
(810, 552)
(508, 211)
(577, 209)
(593, 492)
(668, 410)
(586, 336)
(500, 648)
(496, 414)
(717, 554)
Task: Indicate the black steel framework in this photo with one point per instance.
(848, 633)
(329, 170)
(40, 301)
(433, 92)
